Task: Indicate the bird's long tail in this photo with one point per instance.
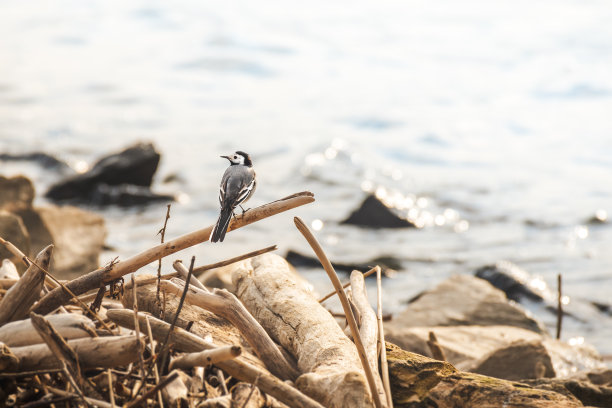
(220, 229)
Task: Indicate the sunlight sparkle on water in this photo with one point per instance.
(317, 225)
(576, 341)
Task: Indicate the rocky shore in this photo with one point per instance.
(252, 333)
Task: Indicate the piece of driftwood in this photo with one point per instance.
(368, 329)
(237, 368)
(226, 304)
(8, 270)
(350, 318)
(235, 259)
(16, 304)
(68, 325)
(247, 396)
(103, 352)
(223, 401)
(91, 401)
(176, 392)
(434, 347)
(95, 279)
(183, 272)
(7, 358)
(347, 284)
(205, 358)
(384, 367)
(418, 381)
(332, 372)
(160, 386)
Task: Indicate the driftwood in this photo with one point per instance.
(205, 358)
(91, 401)
(69, 325)
(105, 352)
(384, 367)
(247, 396)
(22, 295)
(295, 319)
(183, 272)
(225, 304)
(237, 368)
(176, 391)
(368, 329)
(8, 270)
(101, 276)
(7, 358)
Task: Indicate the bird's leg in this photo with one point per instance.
(243, 210)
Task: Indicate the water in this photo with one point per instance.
(492, 117)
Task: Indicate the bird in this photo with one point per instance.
(237, 186)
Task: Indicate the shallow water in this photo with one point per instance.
(491, 121)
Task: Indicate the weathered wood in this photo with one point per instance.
(247, 396)
(205, 358)
(7, 358)
(176, 392)
(384, 367)
(183, 272)
(204, 268)
(102, 352)
(92, 401)
(97, 278)
(16, 304)
(368, 329)
(225, 304)
(68, 325)
(295, 319)
(237, 368)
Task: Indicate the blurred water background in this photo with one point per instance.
(490, 121)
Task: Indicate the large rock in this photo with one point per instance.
(418, 381)
(514, 281)
(13, 230)
(78, 236)
(15, 193)
(464, 300)
(374, 213)
(43, 159)
(136, 165)
(593, 388)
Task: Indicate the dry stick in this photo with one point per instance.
(111, 393)
(434, 347)
(238, 368)
(94, 279)
(152, 391)
(303, 228)
(250, 392)
(15, 251)
(230, 261)
(183, 272)
(227, 305)
(155, 369)
(88, 400)
(221, 376)
(137, 330)
(162, 232)
(205, 358)
(347, 284)
(559, 306)
(384, 367)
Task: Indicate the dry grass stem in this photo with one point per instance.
(384, 366)
(230, 261)
(559, 307)
(347, 284)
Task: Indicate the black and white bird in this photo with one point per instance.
(237, 186)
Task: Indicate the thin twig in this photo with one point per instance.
(221, 378)
(137, 329)
(162, 232)
(250, 392)
(153, 390)
(347, 284)
(384, 367)
(184, 272)
(559, 306)
(303, 228)
(239, 258)
(155, 369)
(111, 392)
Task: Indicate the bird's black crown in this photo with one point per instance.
(247, 158)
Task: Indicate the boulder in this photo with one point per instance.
(13, 230)
(15, 193)
(464, 300)
(373, 213)
(43, 159)
(593, 388)
(388, 264)
(418, 381)
(514, 281)
(126, 195)
(519, 360)
(135, 165)
(78, 236)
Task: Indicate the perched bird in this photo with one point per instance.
(237, 186)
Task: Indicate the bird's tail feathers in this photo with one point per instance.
(218, 233)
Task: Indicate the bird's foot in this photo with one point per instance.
(243, 210)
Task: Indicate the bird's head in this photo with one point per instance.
(239, 158)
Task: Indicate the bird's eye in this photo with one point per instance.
(235, 157)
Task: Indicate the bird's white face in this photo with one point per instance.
(236, 158)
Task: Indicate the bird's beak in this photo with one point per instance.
(226, 157)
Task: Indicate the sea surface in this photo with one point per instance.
(488, 123)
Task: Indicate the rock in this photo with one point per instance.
(418, 381)
(126, 195)
(78, 236)
(464, 300)
(136, 165)
(514, 281)
(13, 230)
(43, 159)
(388, 264)
(591, 388)
(374, 213)
(15, 193)
(519, 360)
(40, 236)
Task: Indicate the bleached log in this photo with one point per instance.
(22, 333)
(15, 305)
(332, 371)
(100, 352)
(205, 358)
(226, 304)
(97, 278)
(238, 368)
(368, 329)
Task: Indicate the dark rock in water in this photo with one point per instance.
(600, 217)
(374, 213)
(514, 281)
(16, 193)
(44, 159)
(388, 264)
(126, 195)
(135, 165)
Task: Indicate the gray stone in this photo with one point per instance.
(15, 193)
